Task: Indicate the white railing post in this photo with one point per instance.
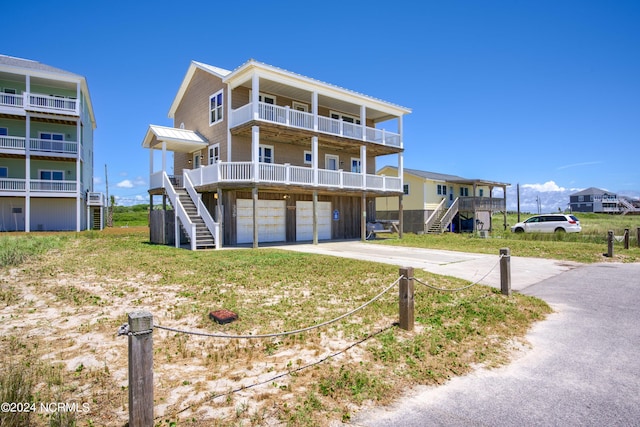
(341, 177)
(287, 173)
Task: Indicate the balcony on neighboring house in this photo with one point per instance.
(36, 102)
(96, 199)
(17, 144)
(17, 185)
(288, 117)
(492, 204)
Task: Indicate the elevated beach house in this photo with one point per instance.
(262, 154)
(433, 202)
(601, 201)
(46, 149)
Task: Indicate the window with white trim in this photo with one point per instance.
(308, 158)
(464, 192)
(481, 192)
(344, 117)
(299, 106)
(214, 153)
(51, 175)
(216, 107)
(442, 190)
(267, 99)
(4, 172)
(405, 189)
(356, 165)
(52, 136)
(265, 153)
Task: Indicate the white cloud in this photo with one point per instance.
(546, 187)
(139, 181)
(125, 184)
(97, 180)
(579, 164)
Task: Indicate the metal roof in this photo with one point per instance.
(27, 64)
(181, 140)
(435, 176)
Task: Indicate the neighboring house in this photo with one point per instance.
(46, 149)
(600, 201)
(435, 202)
(262, 154)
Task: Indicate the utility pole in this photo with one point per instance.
(109, 204)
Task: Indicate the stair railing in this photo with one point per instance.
(203, 212)
(181, 213)
(448, 216)
(437, 213)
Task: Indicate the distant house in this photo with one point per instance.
(434, 202)
(46, 149)
(262, 154)
(600, 201)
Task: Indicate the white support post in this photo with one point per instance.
(315, 217)
(164, 156)
(78, 181)
(363, 121)
(229, 111)
(27, 173)
(363, 165)
(400, 131)
(255, 95)
(255, 152)
(314, 108)
(177, 227)
(314, 158)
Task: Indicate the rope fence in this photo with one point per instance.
(139, 330)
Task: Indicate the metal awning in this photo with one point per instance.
(176, 140)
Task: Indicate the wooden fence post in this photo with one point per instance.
(505, 271)
(405, 298)
(610, 243)
(626, 238)
(140, 369)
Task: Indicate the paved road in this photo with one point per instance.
(583, 364)
(473, 267)
(583, 368)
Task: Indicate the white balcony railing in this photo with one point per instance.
(41, 102)
(12, 142)
(12, 184)
(286, 174)
(53, 186)
(302, 120)
(51, 146)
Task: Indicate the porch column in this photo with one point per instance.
(219, 216)
(164, 156)
(315, 217)
(400, 132)
(491, 207)
(363, 221)
(229, 110)
(504, 209)
(254, 194)
(363, 121)
(27, 172)
(314, 158)
(363, 165)
(150, 162)
(314, 110)
(400, 214)
(255, 96)
(255, 151)
(475, 213)
(78, 175)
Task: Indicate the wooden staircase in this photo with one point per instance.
(435, 227)
(96, 220)
(204, 239)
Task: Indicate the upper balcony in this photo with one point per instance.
(16, 186)
(36, 102)
(292, 118)
(37, 146)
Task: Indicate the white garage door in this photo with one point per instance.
(304, 221)
(270, 217)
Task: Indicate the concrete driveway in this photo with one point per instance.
(473, 267)
(581, 367)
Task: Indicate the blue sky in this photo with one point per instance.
(541, 93)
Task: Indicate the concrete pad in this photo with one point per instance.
(480, 268)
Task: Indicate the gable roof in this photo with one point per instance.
(32, 68)
(593, 191)
(195, 65)
(280, 74)
(181, 140)
(436, 176)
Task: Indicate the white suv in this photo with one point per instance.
(549, 223)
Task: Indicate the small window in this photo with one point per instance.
(481, 192)
(267, 99)
(308, 158)
(405, 189)
(4, 172)
(299, 106)
(442, 190)
(16, 210)
(52, 136)
(9, 90)
(356, 165)
(214, 153)
(4, 131)
(215, 108)
(265, 153)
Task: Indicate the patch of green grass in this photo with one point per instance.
(588, 246)
(15, 250)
